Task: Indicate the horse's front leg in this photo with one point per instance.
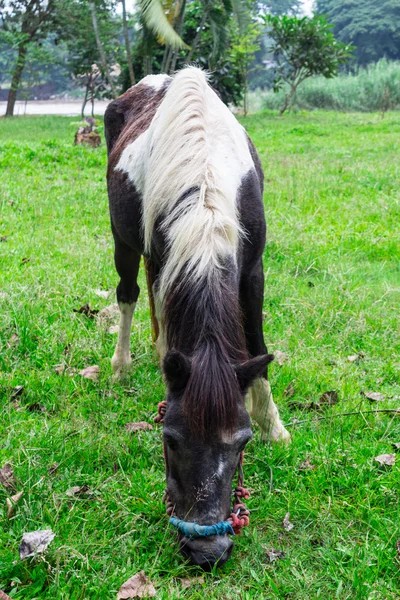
(260, 402)
(127, 263)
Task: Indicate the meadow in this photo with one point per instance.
(332, 275)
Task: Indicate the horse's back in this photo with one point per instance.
(177, 153)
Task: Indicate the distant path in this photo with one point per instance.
(68, 108)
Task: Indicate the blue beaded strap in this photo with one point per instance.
(193, 530)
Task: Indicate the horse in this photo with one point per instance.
(185, 188)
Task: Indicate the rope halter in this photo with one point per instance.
(239, 517)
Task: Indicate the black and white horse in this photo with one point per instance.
(185, 188)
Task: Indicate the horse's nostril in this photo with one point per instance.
(206, 554)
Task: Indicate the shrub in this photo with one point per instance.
(375, 88)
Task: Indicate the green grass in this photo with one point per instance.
(332, 290)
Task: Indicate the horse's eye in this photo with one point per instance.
(242, 446)
(171, 443)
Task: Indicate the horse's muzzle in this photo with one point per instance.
(207, 552)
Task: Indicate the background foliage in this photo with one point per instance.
(372, 27)
(374, 88)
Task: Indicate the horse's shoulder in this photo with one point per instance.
(132, 112)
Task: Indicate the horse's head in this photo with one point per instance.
(203, 443)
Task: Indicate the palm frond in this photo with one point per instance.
(242, 14)
(155, 19)
(228, 6)
(219, 34)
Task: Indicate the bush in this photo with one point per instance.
(375, 88)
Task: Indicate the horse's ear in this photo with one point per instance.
(248, 371)
(176, 369)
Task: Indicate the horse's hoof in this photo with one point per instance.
(276, 435)
(120, 367)
(280, 435)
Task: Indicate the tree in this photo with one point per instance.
(24, 22)
(100, 49)
(279, 7)
(85, 61)
(243, 49)
(210, 40)
(373, 27)
(127, 44)
(302, 48)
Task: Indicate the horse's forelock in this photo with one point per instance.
(212, 396)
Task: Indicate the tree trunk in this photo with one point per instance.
(148, 52)
(179, 27)
(197, 37)
(85, 98)
(127, 45)
(166, 59)
(16, 80)
(246, 93)
(288, 99)
(100, 49)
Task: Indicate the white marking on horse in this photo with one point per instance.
(221, 467)
(121, 360)
(193, 143)
(262, 408)
(155, 81)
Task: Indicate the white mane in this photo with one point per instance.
(188, 166)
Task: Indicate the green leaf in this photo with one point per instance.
(157, 22)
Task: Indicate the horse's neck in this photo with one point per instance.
(203, 315)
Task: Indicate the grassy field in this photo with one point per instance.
(332, 290)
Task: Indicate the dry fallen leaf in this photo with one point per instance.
(3, 596)
(274, 554)
(286, 523)
(108, 315)
(102, 293)
(137, 586)
(289, 391)
(141, 426)
(17, 391)
(90, 313)
(387, 460)
(3, 238)
(79, 490)
(396, 446)
(130, 391)
(329, 398)
(53, 468)
(280, 357)
(373, 396)
(355, 358)
(90, 372)
(113, 329)
(36, 407)
(198, 580)
(25, 260)
(13, 341)
(7, 477)
(35, 542)
(306, 465)
(12, 502)
(398, 550)
(62, 369)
